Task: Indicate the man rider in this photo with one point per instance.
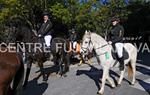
(46, 29)
(116, 37)
(45, 32)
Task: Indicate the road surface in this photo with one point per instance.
(84, 80)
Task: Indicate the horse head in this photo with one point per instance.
(86, 45)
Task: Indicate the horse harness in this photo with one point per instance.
(96, 48)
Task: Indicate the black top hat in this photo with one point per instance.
(115, 19)
(45, 14)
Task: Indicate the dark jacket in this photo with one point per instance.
(46, 29)
(116, 34)
(73, 37)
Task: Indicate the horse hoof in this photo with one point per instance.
(132, 84)
(118, 85)
(79, 64)
(59, 76)
(45, 79)
(24, 86)
(99, 93)
(112, 87)
(65, 75)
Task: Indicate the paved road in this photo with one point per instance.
(84, 80)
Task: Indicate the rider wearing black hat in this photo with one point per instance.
(73, 38)
(117, 31)
(46, 29)
(45, 32)
(116, 36)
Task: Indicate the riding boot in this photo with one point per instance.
(121, 67)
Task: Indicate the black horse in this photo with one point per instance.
(60, 56)
(59, 48)
(34, 55)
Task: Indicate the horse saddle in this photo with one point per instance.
(125, 54)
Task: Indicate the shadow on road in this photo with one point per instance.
(143, 70)
(92, 76)
(48, 71)
(52, 69)
(33, 88)
(145, 85)
(96, 74)
(144, 58)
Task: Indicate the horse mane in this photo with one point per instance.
(98, 39)
(86, 35)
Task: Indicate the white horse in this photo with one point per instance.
(104, 55)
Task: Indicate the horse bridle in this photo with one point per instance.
(94, 48)
(87, 49)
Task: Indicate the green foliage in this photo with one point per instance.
(61, 13)
(91, 15)
(7, 9)
(83, 15)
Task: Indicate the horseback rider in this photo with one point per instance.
(45, 30)
(73, 39)
(116, 36)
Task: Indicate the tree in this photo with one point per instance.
(89, 14)
(79, 14)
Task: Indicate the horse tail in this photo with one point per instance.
(130, 70)
(132, 62)
(18, 79)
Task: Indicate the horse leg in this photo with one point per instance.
(29, 65)
(10, 92)
(111, 81)
(18, 80)
(55, 59)
(81, 60)
(60, 66)
(133, 65)
(104, 77)
(63, 67)
(121, 77)
(67, 62)
(82, 57)
(89, 61)
(89, 58)
(45, 78)
(56, 62)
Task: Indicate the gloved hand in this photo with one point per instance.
(110, 42)
(35, 32)
(39, 35)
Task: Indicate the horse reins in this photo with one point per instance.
(96, 48)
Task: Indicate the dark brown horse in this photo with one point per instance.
(35, 57)
(11, 68)
(60, 57)
(38, 57)
(59, 48)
